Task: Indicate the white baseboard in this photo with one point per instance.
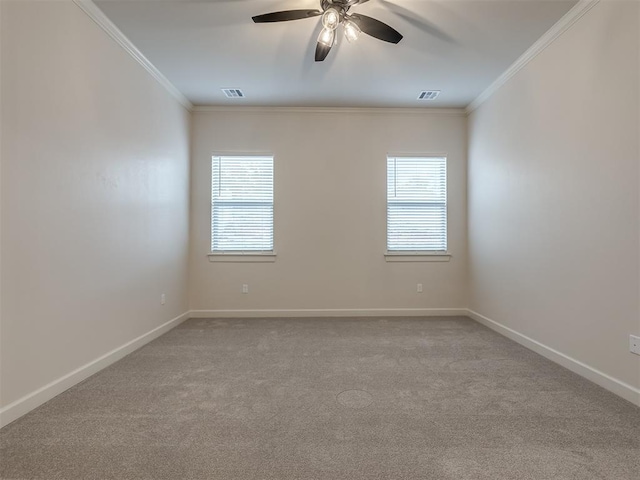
(620, 388)
(33, 400)
(23, 405)
(330, 312)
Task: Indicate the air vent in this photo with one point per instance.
(429, 95)
(233, 92)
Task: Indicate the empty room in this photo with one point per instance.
(319, 239)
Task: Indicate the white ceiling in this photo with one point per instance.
(459, 47)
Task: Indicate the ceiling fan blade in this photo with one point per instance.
(286, 16)
(417, 21)
(376, 28)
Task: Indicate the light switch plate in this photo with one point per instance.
(634, 344)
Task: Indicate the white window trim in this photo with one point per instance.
(417, 256)
(421, 256)
(244, 256)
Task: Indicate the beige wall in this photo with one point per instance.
(330, 210)
(95, 172)
(95, 203)
(553, 195)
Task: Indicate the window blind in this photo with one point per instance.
(242, 204)
(417, 204)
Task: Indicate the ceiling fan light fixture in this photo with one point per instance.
(331, 19)
(327, 37)
(351, 31)
(334, 13)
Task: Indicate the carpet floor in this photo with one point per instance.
(395, 398)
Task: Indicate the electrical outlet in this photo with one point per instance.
(245, 288)
(419, 288)
(634, 344)
(163, 299)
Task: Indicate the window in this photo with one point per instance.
(241, 204)
(416, 204)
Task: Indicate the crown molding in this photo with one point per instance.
(92, 10)
(456, 112)
(571, 17)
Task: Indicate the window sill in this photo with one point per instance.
(240, 257)
(417, 256)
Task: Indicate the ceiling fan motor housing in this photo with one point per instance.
(338, 6)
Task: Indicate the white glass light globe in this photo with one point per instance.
(327, 36)
(331, 19)
(351, 31)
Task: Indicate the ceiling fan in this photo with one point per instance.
(334, 13)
